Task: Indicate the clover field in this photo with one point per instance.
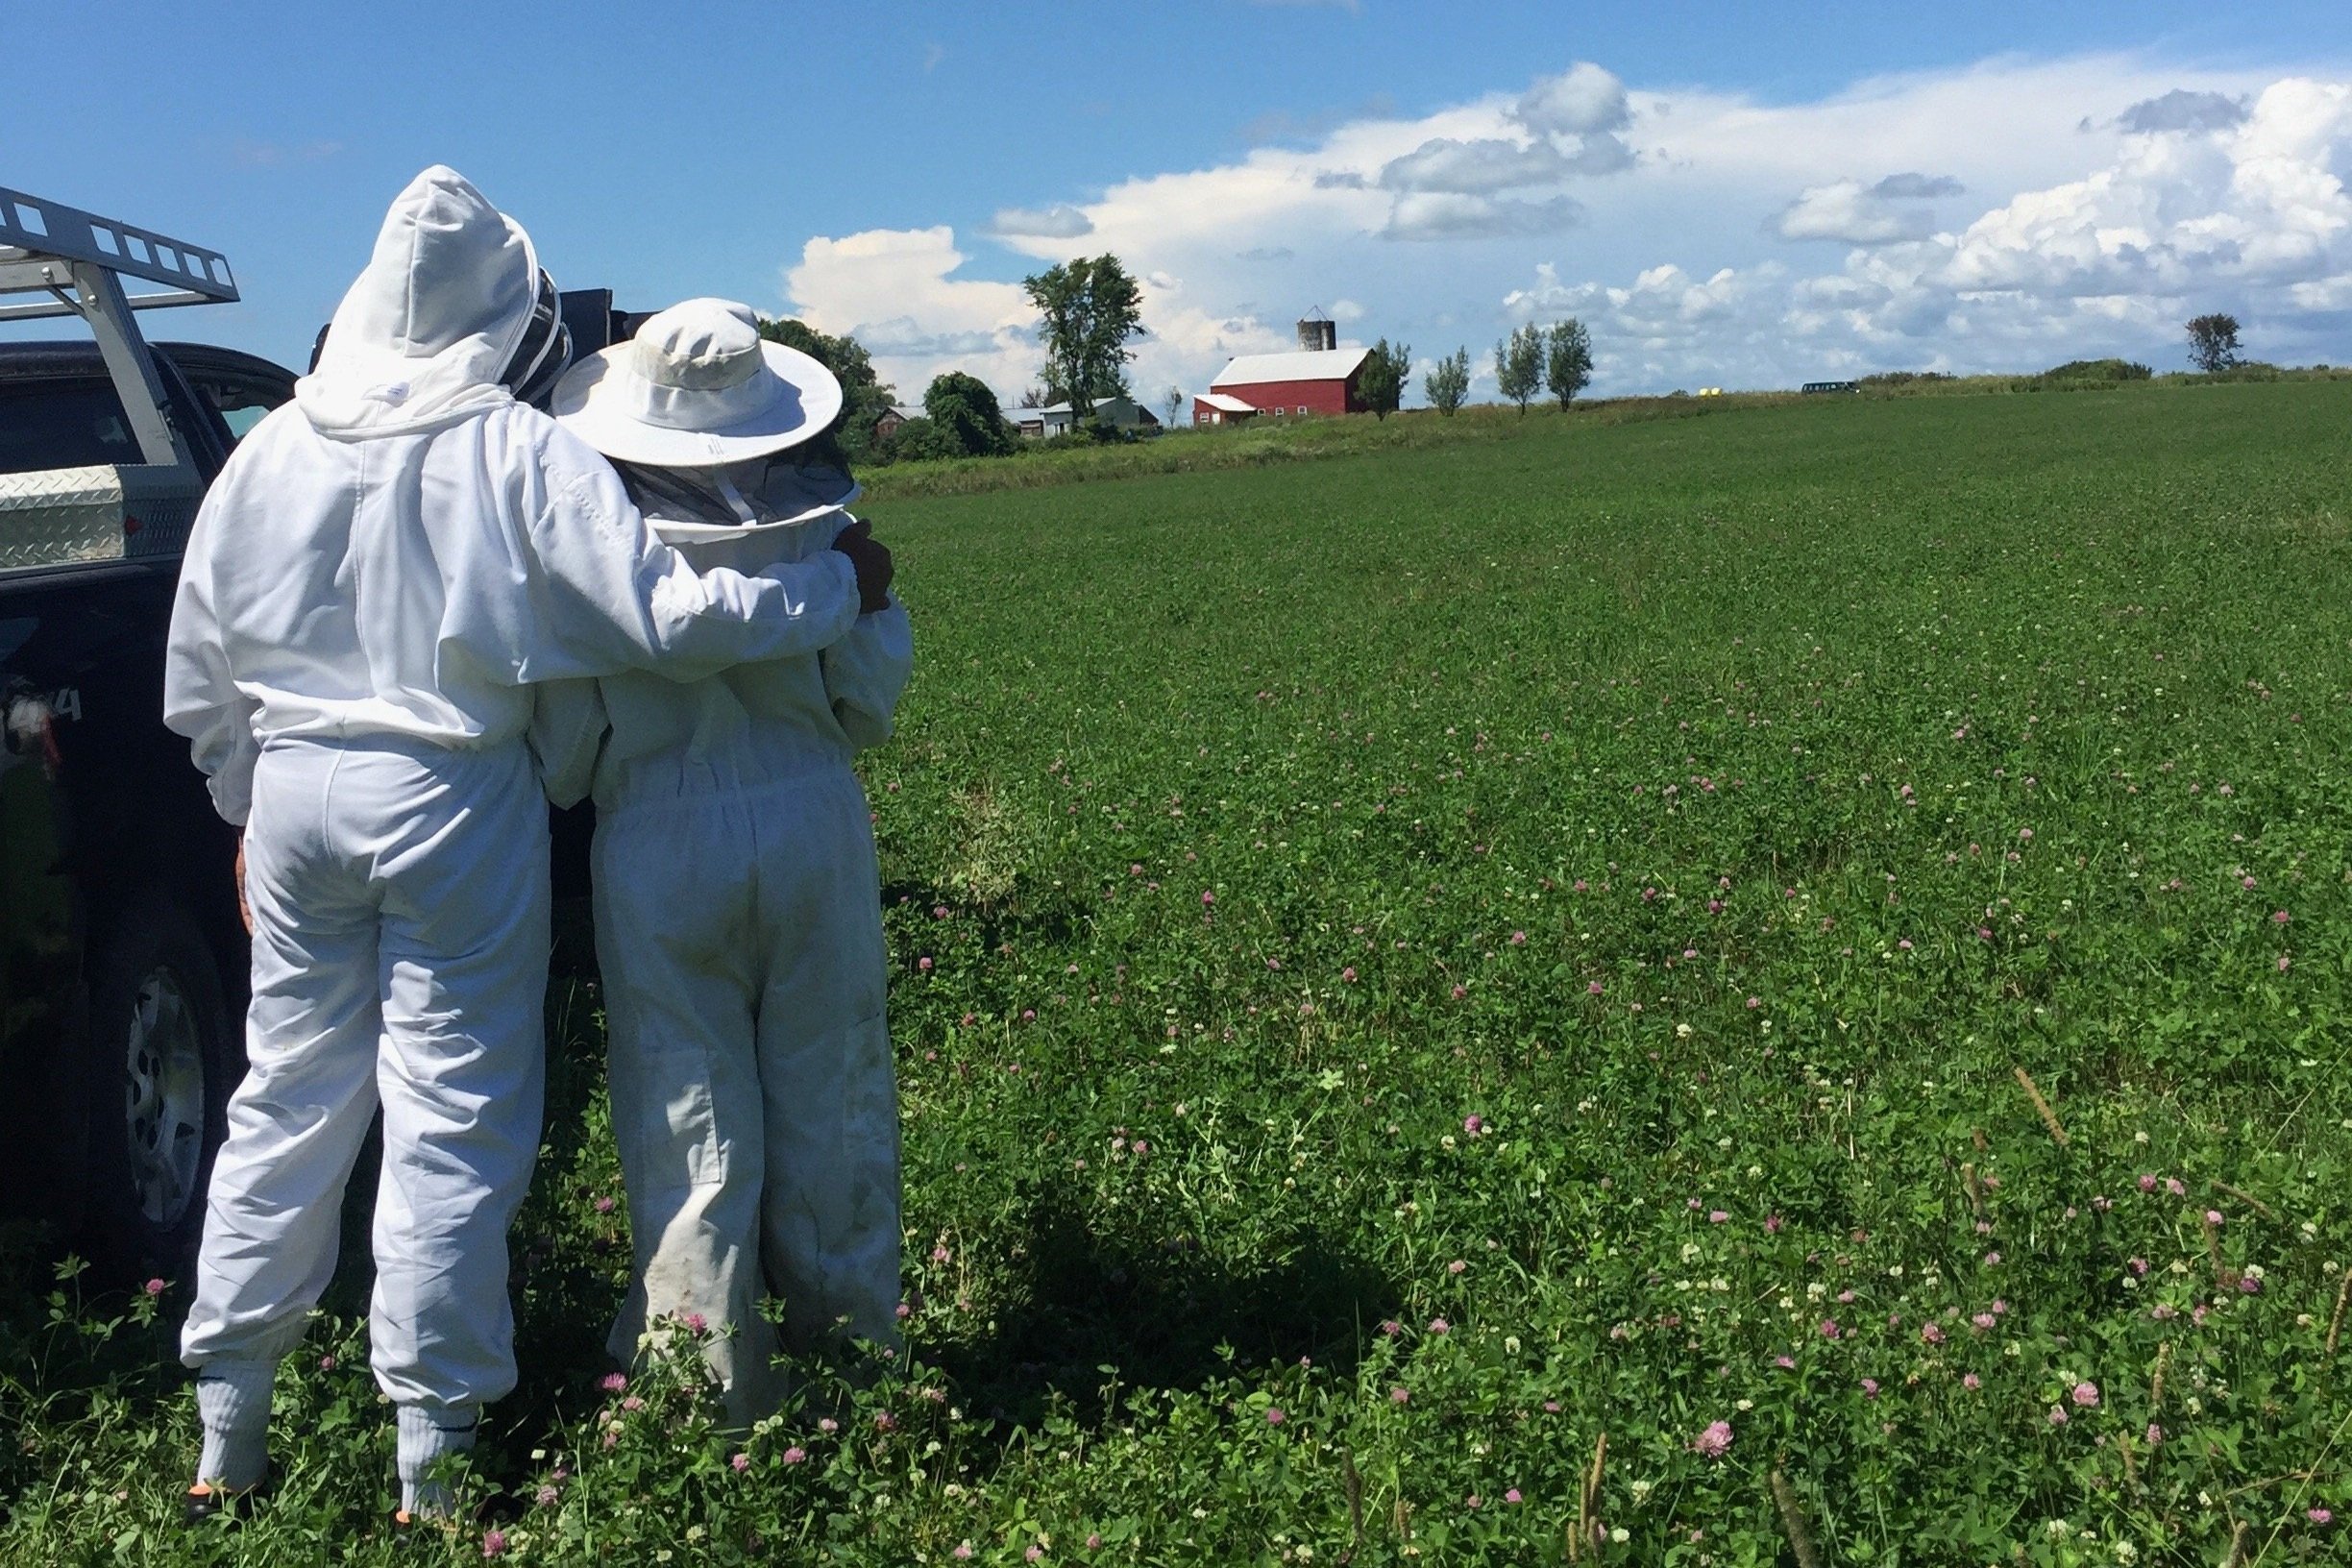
(1759, 988)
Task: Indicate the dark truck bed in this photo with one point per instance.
(122, 964)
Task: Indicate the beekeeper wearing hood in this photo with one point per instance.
(376, 584)
(738, 909)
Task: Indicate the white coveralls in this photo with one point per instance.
(372, 586)
(739, 931)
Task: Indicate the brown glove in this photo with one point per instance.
(873, 562)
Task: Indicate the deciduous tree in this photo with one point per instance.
(964, 417)
(865, 397)
(1382, 382)
(1568, 361)
(2212, 343)
(1092, 309)
(1448, 385)
(1519, 365)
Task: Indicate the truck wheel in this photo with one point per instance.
(163, 1060)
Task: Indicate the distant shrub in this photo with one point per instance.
(2247, 370)
(1906, 378)
(2095, 370)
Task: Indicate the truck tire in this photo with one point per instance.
(163, 1060)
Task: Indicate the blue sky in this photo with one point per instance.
(816, 158)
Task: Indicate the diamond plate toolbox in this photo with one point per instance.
(71, 516)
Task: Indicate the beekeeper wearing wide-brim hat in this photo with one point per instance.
(375, 589)
(738, 915)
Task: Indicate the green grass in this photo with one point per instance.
(1721, 811)
(1266, 442)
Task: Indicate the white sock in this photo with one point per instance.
(427, 1437)
(234, 1398)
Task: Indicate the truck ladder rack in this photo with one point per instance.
(42, 243)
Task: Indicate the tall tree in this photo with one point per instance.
(1567, 360)
(1519, 365)
(963, 415)
(1091, 307)
(1173, 401)
(2212, 343)
(1382, 385)
(864, 396)
(1448, 384)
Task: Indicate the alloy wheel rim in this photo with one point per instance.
(164, 1093)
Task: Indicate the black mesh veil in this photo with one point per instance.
(541, 358)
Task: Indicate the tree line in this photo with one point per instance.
(1090, 314)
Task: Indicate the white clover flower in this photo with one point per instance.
(1620, 1535)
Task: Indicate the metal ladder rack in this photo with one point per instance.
(79, 259)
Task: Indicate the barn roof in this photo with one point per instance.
(1228, 405)
(1299, 365)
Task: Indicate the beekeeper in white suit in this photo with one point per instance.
(375, 581)
(738, 909)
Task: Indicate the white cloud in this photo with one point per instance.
(1581, 101)
(2011, 214)
(896, 291)
(1852, 214)
(1475, 168)
(1060, 220)
(2183, 110)
(1907, 187)
(1446, 215)
(2253, 216)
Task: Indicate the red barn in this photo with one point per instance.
(1284, 386)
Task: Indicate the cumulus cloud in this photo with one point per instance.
(896, 291)
(2183, 110)
(1452, 216)
(1907, 187)
(2001, 241)
(1473, 168)
(1060, 220)
(1579, 102)
(1853, 213)
(2253, 216)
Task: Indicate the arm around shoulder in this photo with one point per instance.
(618, 599)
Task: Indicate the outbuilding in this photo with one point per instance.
(1292, 385)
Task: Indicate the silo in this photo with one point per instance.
(1317, 331)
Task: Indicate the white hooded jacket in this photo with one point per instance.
(405, 550)
(636, 737)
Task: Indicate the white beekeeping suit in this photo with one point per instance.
(376, 582)
(737, 916)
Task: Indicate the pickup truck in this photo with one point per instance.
(122, 963)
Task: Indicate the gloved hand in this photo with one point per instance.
(873, 562)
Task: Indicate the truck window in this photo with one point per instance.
(62, 421)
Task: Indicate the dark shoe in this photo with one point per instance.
(202, 1502)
